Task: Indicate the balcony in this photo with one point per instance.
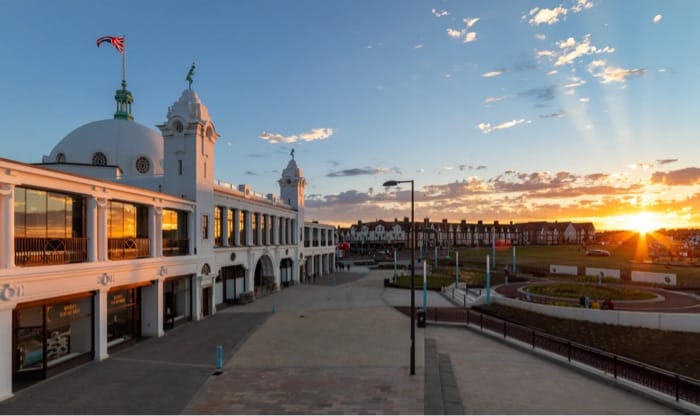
(128, 248)
(176, 247)
(45, 251)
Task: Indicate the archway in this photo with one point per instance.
(264, 278)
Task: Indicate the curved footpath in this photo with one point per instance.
(336, 346)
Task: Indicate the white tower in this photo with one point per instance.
(189, 137)
(292, 186)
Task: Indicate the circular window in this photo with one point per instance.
(178, 126)
(143, 165)
(99, 159)
(61, 158)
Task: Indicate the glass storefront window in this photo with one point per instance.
(68, 330)
(122, 316)
(177, 303)
(29, 339)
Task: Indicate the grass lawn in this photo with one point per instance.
(671, 350)
(533, 259)
(575, 291)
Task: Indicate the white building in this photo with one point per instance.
(123, 232)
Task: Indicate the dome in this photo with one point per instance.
(135, 148)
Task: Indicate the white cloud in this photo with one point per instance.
(575, 82)
(448, 76)
(544, 53)
(470, 37)
(456, 34)
(490, 100)
(573, 50)
(419, 46)
(580, 5)
(614, 74)
(471, 21)
(488, 128)
(440, 13)
(495, 73)
(657, 18)
(584, 99)
(540, 36)
(552, 72)
(548, 16)
(315, 134)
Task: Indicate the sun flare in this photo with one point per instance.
(642, 223)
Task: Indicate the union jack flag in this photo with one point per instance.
(116, 41)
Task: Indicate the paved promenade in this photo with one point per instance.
(336, 346)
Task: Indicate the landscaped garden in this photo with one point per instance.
(575, 291)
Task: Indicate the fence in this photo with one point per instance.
(679, 387)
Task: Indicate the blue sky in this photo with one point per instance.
(499, 110)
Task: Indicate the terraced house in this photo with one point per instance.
(122, 232)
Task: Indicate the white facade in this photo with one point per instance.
(123, 233)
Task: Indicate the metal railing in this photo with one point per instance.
(40, 251)
(128, 248)
(175, 247)
(674, 385)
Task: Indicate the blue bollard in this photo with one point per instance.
(219, 357)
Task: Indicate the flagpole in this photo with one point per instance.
(124, 61)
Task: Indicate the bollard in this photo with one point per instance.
(219, 357)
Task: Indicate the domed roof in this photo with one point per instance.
(135, 148)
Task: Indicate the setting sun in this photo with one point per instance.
(643, 222)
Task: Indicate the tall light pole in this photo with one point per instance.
(413, 275)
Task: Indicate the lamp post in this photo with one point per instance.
(413, 275)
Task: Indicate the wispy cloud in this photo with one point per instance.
(608, 74)
(495, 73)
(584, 99)
(558, 114)
(540, 36)
(572, 50)
(488, 128)
(440, 13)
(657, 18)
(419, 46)
(548, 16)
(665, 161)
(687, 176)
(469, 37)
(471, 21)
(359, 172)
(453, 33)
(491, 100)
(541, 93)
(250, 173)
(580, 5)
(640, 165)
(314, 134)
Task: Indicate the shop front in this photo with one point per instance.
(52, 335)
(177, 301)
(123, 316)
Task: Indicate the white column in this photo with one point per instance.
(268, 227)
(152, 240)
(224, 226)
(236, 227)
(158, 232)
(192, 231)
(259, 231)
(275, 230)
(249, 228)
(100, 322)
(152, 310)
(7, 235)
(101, 233)
(6, 352)
(283, 224)
(197, 298)
(91, 229)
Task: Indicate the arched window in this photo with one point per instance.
(99, 159)
(61, 158)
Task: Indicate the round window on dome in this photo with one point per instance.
(143, 165)
(99, 159)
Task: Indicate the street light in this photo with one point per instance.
(413, 275)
